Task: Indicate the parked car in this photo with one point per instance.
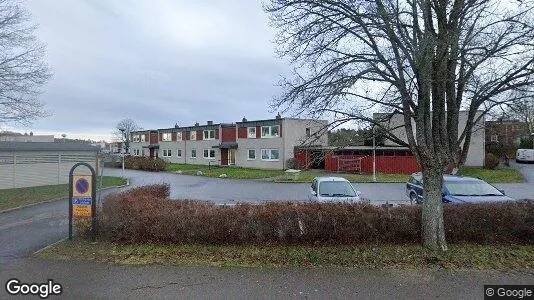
(457, 189)
(333, 189)
(524, 155)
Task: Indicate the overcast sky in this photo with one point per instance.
(159, 62)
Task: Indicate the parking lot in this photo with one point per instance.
(254, 191)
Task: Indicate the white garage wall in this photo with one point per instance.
(37, 168)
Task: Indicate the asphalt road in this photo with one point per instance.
(526, 169)
(26, 230)
(87, 280)
(231, 191)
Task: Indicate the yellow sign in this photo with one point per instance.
(81, 211)
(81, 207)
(82, 186)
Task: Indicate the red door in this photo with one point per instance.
(224, 157)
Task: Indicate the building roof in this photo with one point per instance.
(37, 146)
(273, 121)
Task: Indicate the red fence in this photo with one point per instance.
(303, 158)
(384, 164)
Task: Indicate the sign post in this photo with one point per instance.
(82, 196)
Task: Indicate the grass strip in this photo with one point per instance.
(306, 176)
(498, 257)
(10, 198)
(493, 176)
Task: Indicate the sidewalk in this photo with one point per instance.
(89, 280)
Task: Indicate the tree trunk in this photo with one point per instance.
(433, 226)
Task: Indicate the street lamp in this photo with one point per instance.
(122, 149)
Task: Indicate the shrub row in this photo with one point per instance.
(144, 163)
(146, 215)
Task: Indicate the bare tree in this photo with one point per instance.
(22, 67)
(426, 59)
(123, 132)
(522, 110)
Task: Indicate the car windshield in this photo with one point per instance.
(471, 188)
(336, 189)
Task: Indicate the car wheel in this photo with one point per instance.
(413, 198)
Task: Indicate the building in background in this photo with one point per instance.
(31, 138)
(476, 153)
(507, 133)
(264, 144)
(105, 147)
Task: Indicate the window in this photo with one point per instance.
(142, 138)
(167, 153)
(136, 151)
(209, 154)
(251, 132)
(308, 132)
(142, 152)
(471, 188)
(331, 188)
(135, 138)
(179, 136)
(209, 134)
(251, 154)
(179, 152)
(494, 138)
(193, 135)
(193, 153)
(270, 154)
(270, 131)
(167, 136)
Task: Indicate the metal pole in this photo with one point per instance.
(70, 203)
(122, 173)
(122, 148)
(374, 155)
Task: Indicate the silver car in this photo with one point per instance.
(333, 189)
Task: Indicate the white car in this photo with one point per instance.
(333, 189)
(524, 155)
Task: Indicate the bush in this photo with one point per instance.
(500, 149)
(144, 163)
(491, 161)
(292, 163)
(146, 215)
(526, 143)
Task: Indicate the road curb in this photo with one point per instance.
(58, 199)
(30, 205)
(48, 246)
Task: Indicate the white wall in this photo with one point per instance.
(36, 168)
(476, 153)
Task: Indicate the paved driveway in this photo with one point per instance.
(253, 191)
(526, 169)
